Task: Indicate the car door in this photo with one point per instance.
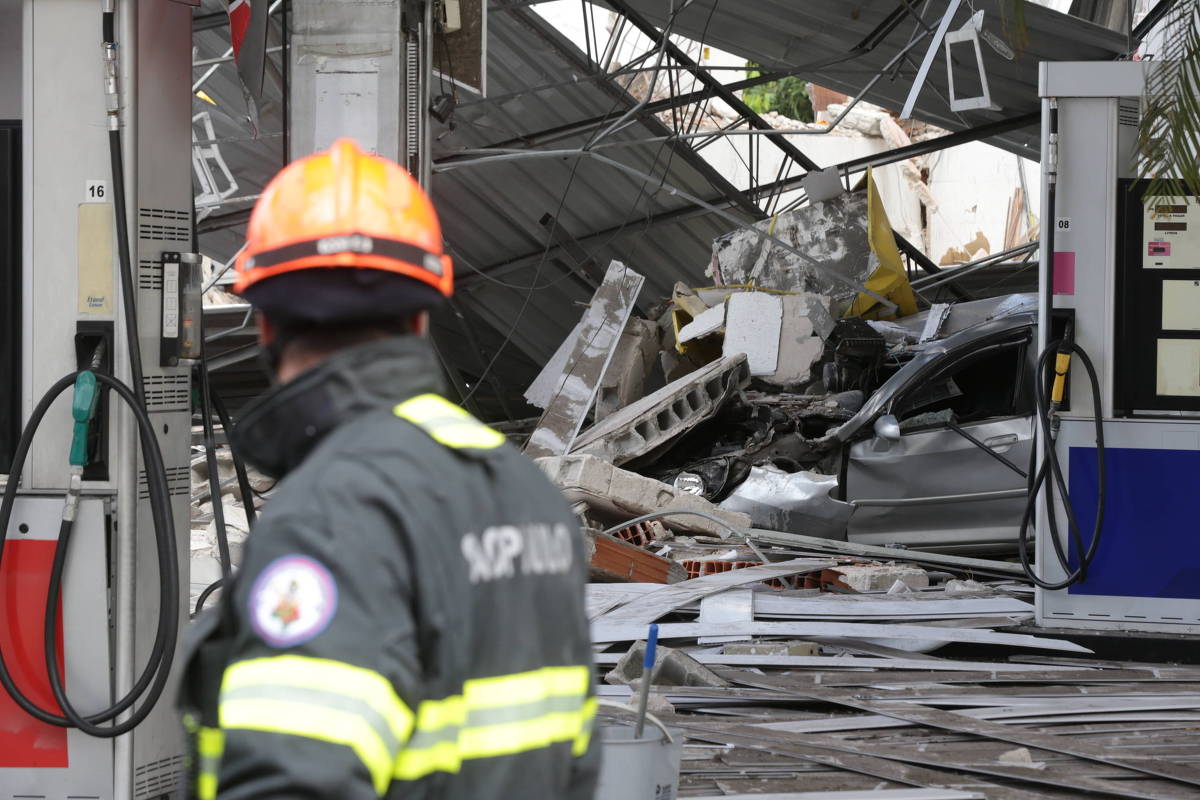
(952, 476)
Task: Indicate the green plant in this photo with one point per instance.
(787, 96)
(1169, 134)
(1168, 147)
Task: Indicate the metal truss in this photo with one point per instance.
(683, 112)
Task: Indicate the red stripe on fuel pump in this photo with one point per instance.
(24, 574)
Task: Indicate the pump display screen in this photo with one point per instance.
(1171, 233)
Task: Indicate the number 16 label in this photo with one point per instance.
(95, 192)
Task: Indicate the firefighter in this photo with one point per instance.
(408, 619)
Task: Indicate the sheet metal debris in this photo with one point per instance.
(798, 502)
(930, 724)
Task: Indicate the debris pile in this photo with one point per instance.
(796, 495)
(205, 550)
(735, 414)
(782, 690)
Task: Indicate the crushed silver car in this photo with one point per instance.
(937, 457)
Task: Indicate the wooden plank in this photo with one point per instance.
(959, 723)
(649, 607)
(608, 630)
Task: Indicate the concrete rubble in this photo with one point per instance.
(734, 401)
(714, 478)
(671, 668)
(632, 362)
(595, 340)
(832, 232)
(204, 550)
(659, 418)
(880, 577)
(608, 490)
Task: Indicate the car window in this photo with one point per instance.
(991, 383)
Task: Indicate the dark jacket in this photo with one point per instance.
(408, 620)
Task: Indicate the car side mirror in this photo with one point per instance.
(887, 428)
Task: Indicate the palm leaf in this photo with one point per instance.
(1168, 151)
(1015, 27)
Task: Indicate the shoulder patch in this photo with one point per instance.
(292, 600)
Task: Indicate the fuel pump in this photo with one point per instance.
(94, 518)
(1114, 497)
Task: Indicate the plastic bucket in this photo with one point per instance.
(639, 769)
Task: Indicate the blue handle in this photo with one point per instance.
(651, 644)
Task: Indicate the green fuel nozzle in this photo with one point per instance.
(83, 410)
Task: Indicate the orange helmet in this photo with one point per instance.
(353, 234)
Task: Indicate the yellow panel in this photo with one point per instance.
(95, 249)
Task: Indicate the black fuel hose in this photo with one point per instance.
(150, 684)
(1052, 468)
(239, 466)
(212, 401)
(204, 595)
(214, 477)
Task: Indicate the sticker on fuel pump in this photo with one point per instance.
(95, 191)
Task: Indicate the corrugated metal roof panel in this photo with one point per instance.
(781, 34)
(492, 213)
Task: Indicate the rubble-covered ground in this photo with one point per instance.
(814, 492)
(759, 496)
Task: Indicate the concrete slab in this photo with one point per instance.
(833, 232)
(799, 344)
(658, 418)
(576, 388)
(753, 322)
(542, 388)
(632, 361)
(620, 493)
(708, 321)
